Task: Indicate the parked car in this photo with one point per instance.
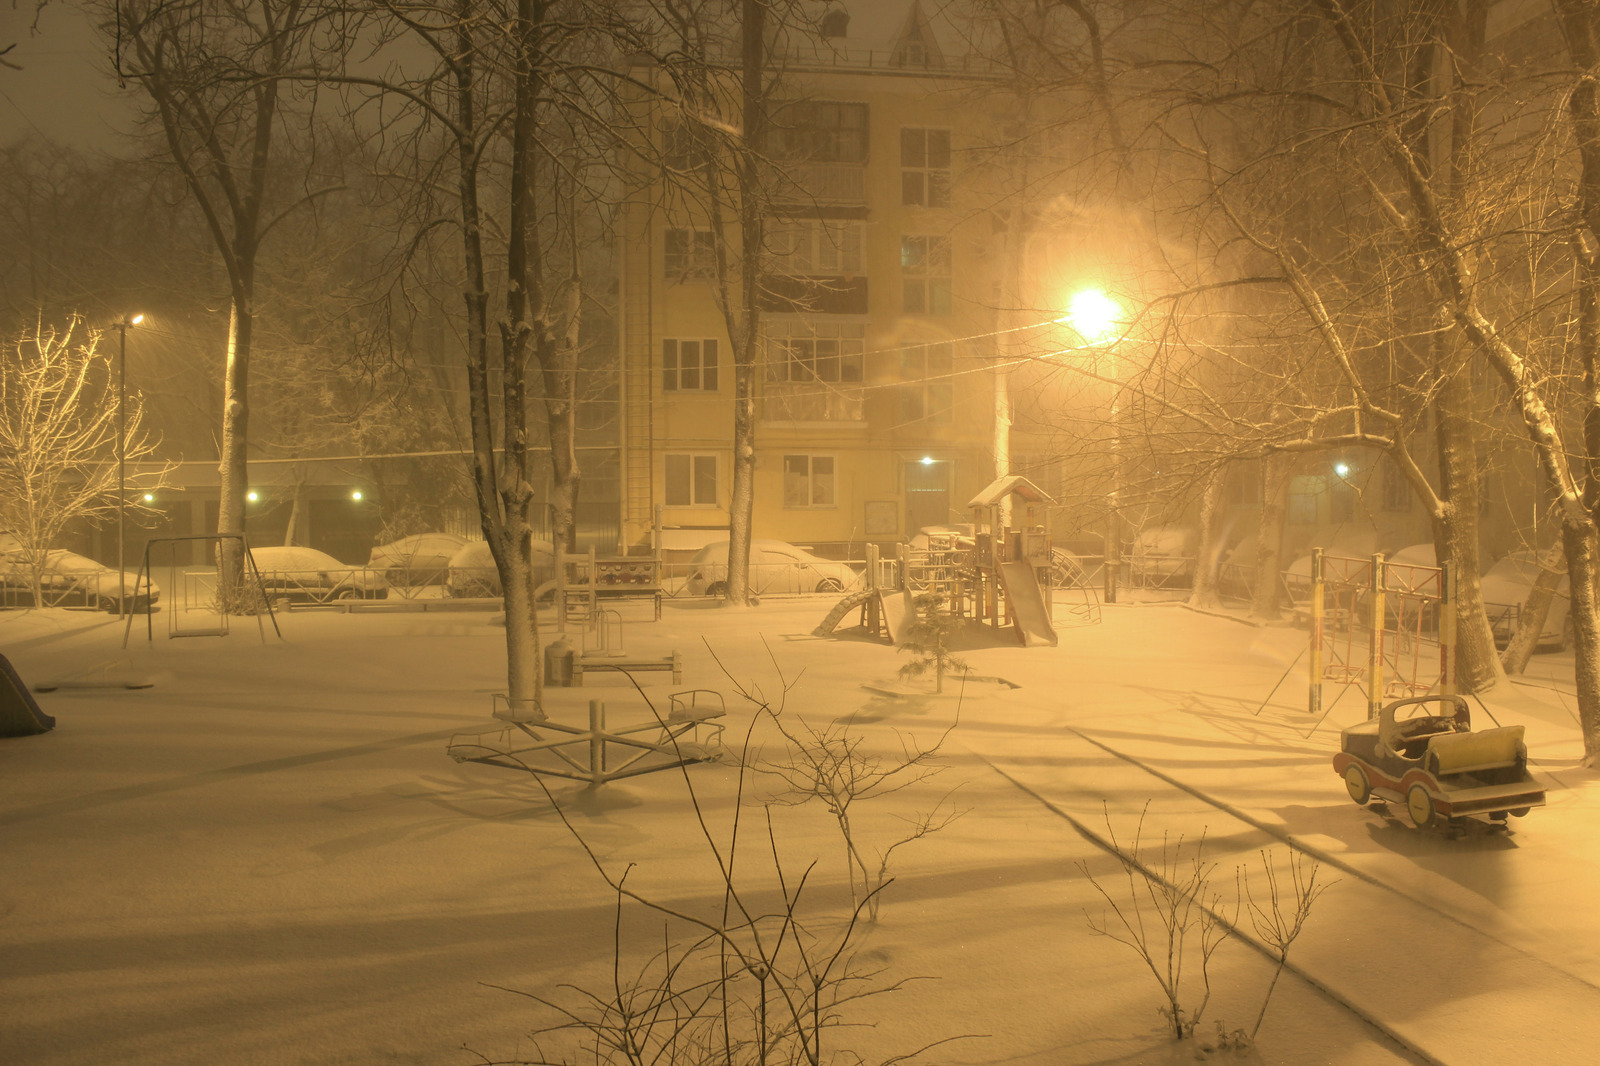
(306, 575)
(70, 580)
(776, 568)
(1164, 556)
(472, 571)
(420, 559)
(1505, 587)
(1421, 752)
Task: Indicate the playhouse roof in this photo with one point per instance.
(1001, 487)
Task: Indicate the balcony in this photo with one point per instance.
(824, 183)
(816, 401)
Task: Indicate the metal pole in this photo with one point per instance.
(1318, 591)
(597, 742)
(122, 458)
(1375, 640)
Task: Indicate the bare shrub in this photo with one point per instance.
(1282, 912)
(1167, 914)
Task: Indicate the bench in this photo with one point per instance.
(627, 664)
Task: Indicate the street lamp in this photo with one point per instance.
(122, 450)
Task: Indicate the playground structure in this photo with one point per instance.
(531, 741)
(1004, 575)
(1390, 628)
(198, 594)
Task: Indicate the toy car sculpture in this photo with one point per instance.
(1430, 760)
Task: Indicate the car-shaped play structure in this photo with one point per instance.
(1421, 753)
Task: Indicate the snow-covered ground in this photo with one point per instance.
(267, 856)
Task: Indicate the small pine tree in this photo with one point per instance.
(928, 640)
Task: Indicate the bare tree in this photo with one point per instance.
(218, 78)
(59, 434)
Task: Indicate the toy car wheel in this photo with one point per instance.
(1355, 781)
(1419, 805)
(1519, 812)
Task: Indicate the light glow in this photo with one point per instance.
(1342, 469)
(252, 496)
(355, 494)
(927, 460)
(136, 319)
(1095, 316)
(149, 497)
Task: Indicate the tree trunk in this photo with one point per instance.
(1580, 544)
(233, 469)
(1269, 540)
(1456, 532)
(1531, 616)
(746, 336)
(1209, 555)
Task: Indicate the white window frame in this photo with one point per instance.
(927, 373)
(695, 465)
(823, 351)
(925, 273)
(924, 166)
(675, 368)
(830, 247)
(817, 498)
(695, 261)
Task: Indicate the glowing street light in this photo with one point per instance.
(1095, 317)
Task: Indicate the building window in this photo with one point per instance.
(927, 392)
(807, 481)
(836, 23)
(689, 366)
(925, 274)
(925, 167)
(818, 131)
(691, 255)
(1397, 493)
(817, 246)
(686, 147)
(691, 480)
(820, 352)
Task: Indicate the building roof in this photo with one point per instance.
(1001, 487)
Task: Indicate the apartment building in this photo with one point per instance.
(875, 395)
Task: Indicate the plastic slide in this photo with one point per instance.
(842, 608)
(20, 715)
(896, 610)
(1026, 603)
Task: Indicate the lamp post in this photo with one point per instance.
(122, 451)
(1096, 318)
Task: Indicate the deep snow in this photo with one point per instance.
(267, 857)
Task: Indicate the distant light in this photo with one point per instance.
(252, 496)
(136, 319)
(927, 460)
(355, 494)
(1094, 315)
(149, 497)
(1342, 469)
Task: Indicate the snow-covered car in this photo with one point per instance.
(1164, 555)
(1505, 587)
(776, 568)
(1422, 753)
(306, 575)
(70, 580)
(472, 571)
(420, 559)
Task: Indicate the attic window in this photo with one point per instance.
(836, 24)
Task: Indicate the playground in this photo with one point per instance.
(270, 855)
